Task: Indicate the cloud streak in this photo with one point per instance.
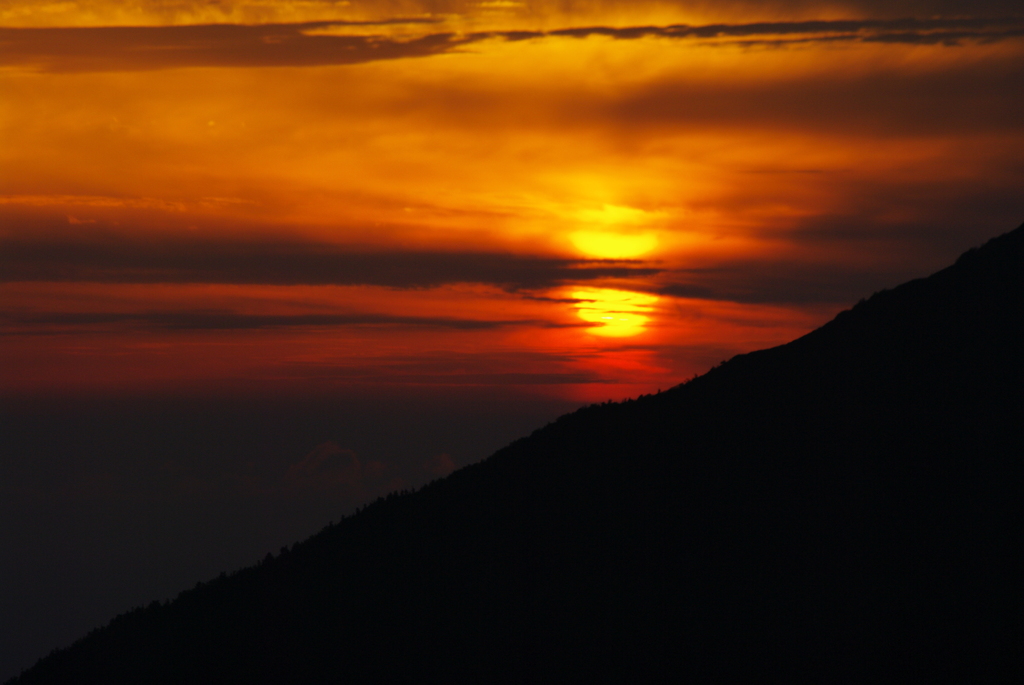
(778, 283)
(894, 30)
(142, 48)
(19, 323)
(121, 260)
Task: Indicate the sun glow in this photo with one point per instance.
(617, 232)
(613, 215)
(617, 313)
(613, 245)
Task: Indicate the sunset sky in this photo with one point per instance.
(551, 202)
(592, 199)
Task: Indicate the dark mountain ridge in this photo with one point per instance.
(844, 507)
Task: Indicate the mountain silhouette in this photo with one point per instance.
(842, 508)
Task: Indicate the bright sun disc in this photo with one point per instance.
(613, 245)
(619, 313)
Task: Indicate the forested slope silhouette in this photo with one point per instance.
(843, 508)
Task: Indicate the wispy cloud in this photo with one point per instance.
(13, 323)
(778, 283)
(140, 48)
(892, 30)
(118, 259)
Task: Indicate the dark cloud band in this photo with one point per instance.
(140, 48)
(779, 282)
(119, 260)
(134, 48)
(54, 322)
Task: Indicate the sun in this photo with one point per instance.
(615, 313)
(609, 245)
(614, 232)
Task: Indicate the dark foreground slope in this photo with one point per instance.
(845, 507)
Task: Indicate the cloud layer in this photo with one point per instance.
(141, 48)
(121, 259)
(219, 320)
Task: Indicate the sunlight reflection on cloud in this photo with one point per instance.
(618, 313)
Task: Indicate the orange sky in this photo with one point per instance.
(581, 199)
